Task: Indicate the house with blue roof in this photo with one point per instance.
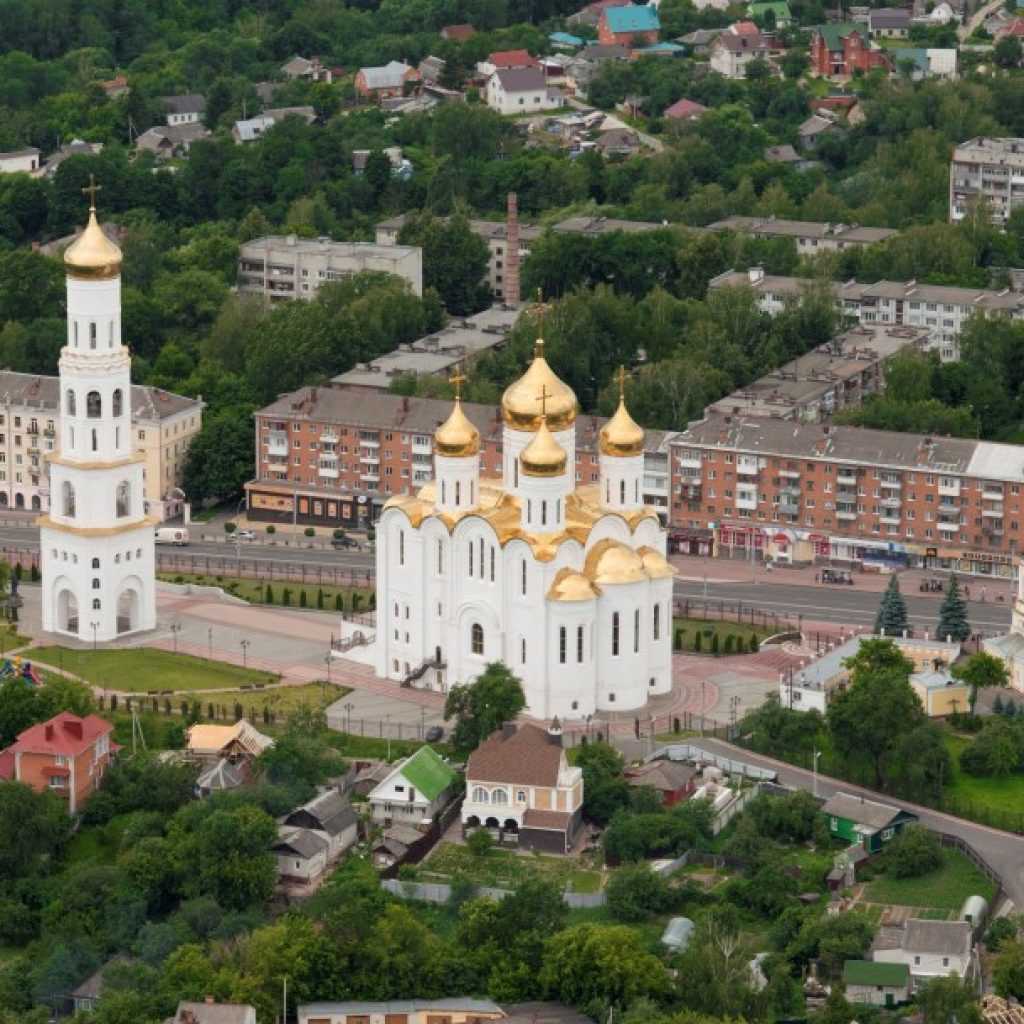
(565, 41)
(630, 25)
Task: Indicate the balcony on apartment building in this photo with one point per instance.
(328, 436)
(328, 468)
(746, 466)
(277, 444)
(890, 517)
(891, 481)
(846, 478)
(790, 474)
(422, 446)
(992, 492)
(991, 512)
(689, 461)
(949, 488)
(369, 441)
(788, 508)
(846, 510)
(949, 525)
(746, 500)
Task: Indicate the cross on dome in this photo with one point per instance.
(621, 378)
(457, 379)
(90, 190)
(543, 399)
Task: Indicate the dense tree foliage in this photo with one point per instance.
(484, 705)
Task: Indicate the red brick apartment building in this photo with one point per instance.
(841, 48)
(806, 493)
(333, 455)
(66, 755)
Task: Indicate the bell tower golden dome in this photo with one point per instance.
(622, 436)
(457, 437)
(92, 256)
(543, 456)
(520, 405)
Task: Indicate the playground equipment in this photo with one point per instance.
(21, 669)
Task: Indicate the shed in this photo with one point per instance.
(876, 984)
(974, 911)
(677, 934)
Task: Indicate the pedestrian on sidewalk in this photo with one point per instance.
(816, 577)
(982, 595)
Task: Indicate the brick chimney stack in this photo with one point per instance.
(511, 291)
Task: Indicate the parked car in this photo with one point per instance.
(344, 543)
(245, 535)
(434, 734)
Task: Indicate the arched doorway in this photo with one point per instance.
(3, 498)
(473, 821)
(129, 603)
(19, 500)
(511, 825)
(36, 503)
(492, 823)
(67, 611)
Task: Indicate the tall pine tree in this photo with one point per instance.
(892, 611)
(953, 614)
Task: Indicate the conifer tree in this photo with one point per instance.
(953, 614)
(892, 611)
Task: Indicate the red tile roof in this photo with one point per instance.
(744, 28)
(460, 33)
(512, 59)
(65, 734)
(526, 758)
(684, 108)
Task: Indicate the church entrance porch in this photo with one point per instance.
(67, 610)
(128, 607)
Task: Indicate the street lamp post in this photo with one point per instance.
(423, 723)
(589, 717)
(175, 629)
(387, 724)
(814, 784)
(349, 706)
(95, 626)
(209, 642)
(245, 648)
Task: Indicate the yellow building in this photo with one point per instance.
(940, 693)
(164, 425)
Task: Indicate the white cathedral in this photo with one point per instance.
(97, 556)
(568, 586)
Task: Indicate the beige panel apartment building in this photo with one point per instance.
(988, 169)
(288, 267)
(811, 237)
(164, 425)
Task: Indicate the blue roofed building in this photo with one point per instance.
(631, 25)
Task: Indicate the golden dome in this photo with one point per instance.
(543, 456)
(457, 437)
(92, 256)
(621, 436)
(522, 405)
(611, 561)
(569, 585)
(655, 564)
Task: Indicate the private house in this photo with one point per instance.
(67, 755)
(699, 41)
(301, 855)
(518, 91)
(771, 14)
(864, 822)
(671, 780)
(166, 142)
(1013, 27)
(87, 995)
(565, 41)
(455, 1010)
(590, 14)
(506, 60)
(252, 128)
(209, 1012)
(584, 65)
(221, 777)
(185, 109)
(331, 815)
(940, 692)
(684, 110)
(789, 157)
(208, 744)
(311, 68)
(618, 143)
(869, 983)
(816, 127)
(840, 48)
(74, 148)
(734, 51)
(889, 23)
(929, 949)
(20, 161)
(116, 87)
(458, 33)
(630, 25)
(519, 783)
(385, 81)
(413, 791)
(431, 68)
(394, 844)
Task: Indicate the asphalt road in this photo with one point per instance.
(1003, 851)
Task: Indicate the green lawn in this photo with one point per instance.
(1002, 798)
(946, 888)
(503, 869)
(255, 591)
(708, 628)
(281, 700)
(141, 671)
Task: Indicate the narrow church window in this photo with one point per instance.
(615, 634)
(71, 402)
(96, 604)
(110, 334)
(622, 492)
(75, 332)
(636, 491)
(515, 473)
(529, 510)
(543, 513)
(561, 645)
(401, 547)
(472, 492)
(579, 644)
(440, 557)
(93, 405)
(118, 402)
(558, 509)
(477, 638)
(458, 493)
(444, 493)
(522, 569)
(470, 558)
(95, 583)
(124, 499)
(68, 499)
(492, 563)
(608, 492)
(95, 563)
(636, 631)
(522, 651)
(95, 441)
(92, 334)
(657, 621)
(481, 558)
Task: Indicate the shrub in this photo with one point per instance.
(33, 573)
(714, 644)
(320, 598)
(302, 598)
(229, 528)
(268, 594)
(357, 600)
(309, 531)
(339, 603)
(479, 843)
(678, 641)
(209, 711)
(755, 644)
(635, 892)
(741, 645)
(271, 529)
(730, 643)
(286, 597)
(338, 535)
(677, 727)
(914, 852)
(239, 711)
(698, 642)
(372, 602)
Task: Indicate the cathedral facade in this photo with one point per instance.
(567, 586)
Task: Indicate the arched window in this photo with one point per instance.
(499, 796)
(579, 644)
(636, 631)
(458, 492)
(622, 492)
(561, 645)
(444, 492)
(615, 634)
(124, 499)
(522, 570)
(117, 402)
(96, 583)
(480, 795)
(657, 621)
(401, 547)
(476, 638)
(95, 563)
(95, 604)
(492, 563)
(93, 405)
(67, 492)
(71, 403)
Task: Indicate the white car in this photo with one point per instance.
(245, 535)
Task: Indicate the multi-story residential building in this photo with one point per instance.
(838, 375)
(164, 425)
(20, 161)
(66, 755)
(989, 170)
(941, 309)
(839, 49)
(512, 91)
(332, 456)
(288, 267)
(811, 237)
(454, 1010)
(738, 47)
(629, 25)
(802, 493)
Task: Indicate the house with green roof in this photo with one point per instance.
(413, 791)
(869, 983)
(778, 9)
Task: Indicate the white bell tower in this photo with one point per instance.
(97, 555)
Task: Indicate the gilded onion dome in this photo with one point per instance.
(656, 564)
(521, 403)
(543, 456)
(457, 437)
(611, 561)
(569, 585)
(621, 436)
(92, 256)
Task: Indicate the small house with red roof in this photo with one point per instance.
(67, 755)
(507, 60)
(1014, 27)
(520, 785)
(684, 110)
(458, 33)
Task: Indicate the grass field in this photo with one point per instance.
(255, 591)
(708, 628)
(500, 868)
(281, 700)
(1004, 796)
(140, 671)
(946, 888)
